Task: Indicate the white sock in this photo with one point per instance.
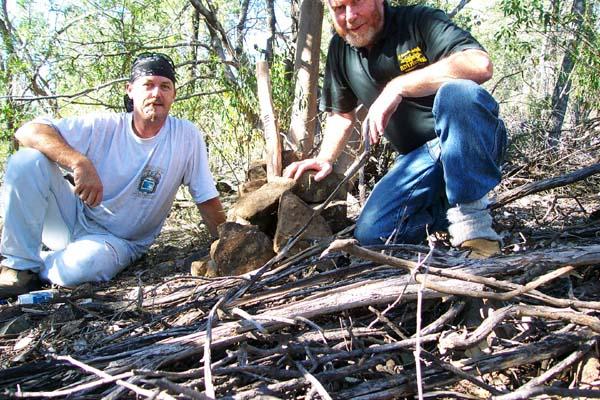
(471, 221)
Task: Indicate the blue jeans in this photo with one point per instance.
(461, 165)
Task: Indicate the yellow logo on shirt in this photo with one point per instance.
(411, 59)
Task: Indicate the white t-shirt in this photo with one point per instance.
(140, 176)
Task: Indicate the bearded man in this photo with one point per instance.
(419, 75)
(123, 170)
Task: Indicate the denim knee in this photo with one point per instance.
(459, 95)
(25, 162)
(365, 233)
(472, 138)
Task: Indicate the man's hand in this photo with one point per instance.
(473, 64)
(381, 111)
(88, 185)
(46, 139)
(295, 170)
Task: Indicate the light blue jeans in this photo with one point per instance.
(460, 166)
(39, 206)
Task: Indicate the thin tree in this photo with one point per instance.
(562, 88)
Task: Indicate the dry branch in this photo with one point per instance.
(138, 390)
(551, 391)
(546, 184)
(549, 347)
(298, 331)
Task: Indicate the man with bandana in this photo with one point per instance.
(419, 76)
(124, 171)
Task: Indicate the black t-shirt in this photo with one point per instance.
(412, 38)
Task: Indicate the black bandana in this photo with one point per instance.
(154, 64)
(147, 65)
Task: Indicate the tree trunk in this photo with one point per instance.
(306, 66)
(560, 96)
(267, 113)
(271, 21)
(241, 27)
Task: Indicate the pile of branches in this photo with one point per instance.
(335, 321)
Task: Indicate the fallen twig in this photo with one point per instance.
(138, 390)
(545, 184)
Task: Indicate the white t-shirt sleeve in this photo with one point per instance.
(77, 131)
(197, 176)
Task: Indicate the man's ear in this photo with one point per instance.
(128, 89)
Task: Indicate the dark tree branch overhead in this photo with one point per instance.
(241, 28)
(219, 40)
(271, 22)
(67, 96)
(458, 8)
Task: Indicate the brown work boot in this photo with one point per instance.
(480, 249)
(14, 282)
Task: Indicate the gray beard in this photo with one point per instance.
(361, 40)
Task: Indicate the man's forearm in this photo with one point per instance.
(337, 131)
(212, 214)
(47, 140)
(470, 64)
(44, 138)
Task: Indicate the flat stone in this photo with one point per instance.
(312, 191)
(241, 249)
(224, 187)
(251, 186)
(590, 373)
(231, 217)
(290, 156)
(293, 214)
(213, 247)
(211, 269)
(260, 207)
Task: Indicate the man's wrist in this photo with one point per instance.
(396, 88)
(77, 160)
(326, 158)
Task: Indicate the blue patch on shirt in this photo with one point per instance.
(149, 181)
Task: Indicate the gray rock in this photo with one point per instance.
(241, 249)
(260, 207)
(293, 214)
(16, 325)
(317, 192)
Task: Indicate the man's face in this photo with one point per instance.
(152, 97)
(357, 21)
